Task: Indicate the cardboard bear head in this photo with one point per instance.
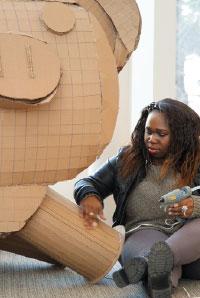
(59, 66)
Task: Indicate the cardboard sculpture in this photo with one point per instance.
(58, 107)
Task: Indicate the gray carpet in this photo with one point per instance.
(27, 278)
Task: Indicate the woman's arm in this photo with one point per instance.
(192, 203)
(101, 184)
(90, 192)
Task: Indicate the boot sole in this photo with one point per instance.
(133, 272)
(159, 269)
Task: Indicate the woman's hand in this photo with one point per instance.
(182, 209)
(91, 210)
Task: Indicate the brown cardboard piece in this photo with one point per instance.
(17, 204)
(58, 17)
(106, 63)
(54, 125)
(55, 141)
(30, 71)
(11, 103)
(126, 26)
(121, 22)
(122, 32)
(58, 231)
(106, 22)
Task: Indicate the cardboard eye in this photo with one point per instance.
(58, 17)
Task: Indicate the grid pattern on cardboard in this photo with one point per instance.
(95, 8)
(123, 28)
(54, 142)
(128, 23)
(18, 203)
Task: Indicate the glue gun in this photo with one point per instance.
(176, 196)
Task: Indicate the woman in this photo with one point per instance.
(164, 155)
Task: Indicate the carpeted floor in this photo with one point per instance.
(27, 278)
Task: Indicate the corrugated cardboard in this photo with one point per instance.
(121, 21)
(31, 72)
(57, 230)
(58, 108)
(18, 203)
(55, 141)
(57, 17)
(126, 19)
(105, 20)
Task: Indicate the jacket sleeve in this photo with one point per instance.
(196, 209)
(102, 183)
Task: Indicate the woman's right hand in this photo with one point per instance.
(91, 209)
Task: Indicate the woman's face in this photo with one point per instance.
(157, 135)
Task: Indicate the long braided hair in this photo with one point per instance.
(184, 149)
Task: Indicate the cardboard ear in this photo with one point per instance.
(121, 22)
(29, 71)
(58, 17)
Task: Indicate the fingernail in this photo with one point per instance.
(94, 224)
(170, 213)
(175, 205)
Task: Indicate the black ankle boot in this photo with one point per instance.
(160, 264)
(133, 271)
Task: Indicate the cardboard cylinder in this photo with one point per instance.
(57, 230)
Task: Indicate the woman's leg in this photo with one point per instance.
(185, 245)
(133, 258)
(139, 244)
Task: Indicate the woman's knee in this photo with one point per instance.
(185, 243)
(140, 243)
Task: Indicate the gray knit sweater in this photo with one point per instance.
(143, 207)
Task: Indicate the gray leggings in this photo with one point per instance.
(185, 245)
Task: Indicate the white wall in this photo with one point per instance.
(154, 62)
(164, 64)
(142, 86)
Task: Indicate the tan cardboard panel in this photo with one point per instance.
(122, 23)
(95, 8)
(18, 203)
(58, 217)
(29, 69)
(121, 54)
(109, 84)
(62, 1)
(127, 24)
(58, 17)
(120, 20)
(10, 103)
(55, 141)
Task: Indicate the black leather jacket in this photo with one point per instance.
(106, 181)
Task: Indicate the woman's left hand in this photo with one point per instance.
(182, 209)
